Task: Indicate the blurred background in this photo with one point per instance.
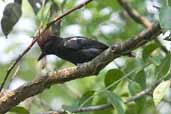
(104, 21)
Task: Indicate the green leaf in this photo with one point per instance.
(18, 1)
(111, 76)
(83, 101)
(156, 60)
(131, 63)
(86, 96)
(44, 13)
(19, 110)
(116, 101)
(101, 99)
(134, 87)
(131, 108)
(163, 68)
(148, 50)
(165, 18)
(140, 78)
(160, 91)
(11, 15)
(34, 5)
(70, 108)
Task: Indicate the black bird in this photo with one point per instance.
(75, 49)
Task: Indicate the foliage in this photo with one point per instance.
(103, 21)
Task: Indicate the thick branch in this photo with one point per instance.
(93, 67)
(38, 37)
(134, 14)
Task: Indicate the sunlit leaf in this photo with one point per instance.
(19, 110)
(160, 91)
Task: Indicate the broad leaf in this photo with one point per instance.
(134, 87)
(98, 100)
(160, 91)
(164, 67)
(148, 50)
(19, 110)
(11, 15)
(86, 96)
(116, 101)
(112, 76)
(140, 78)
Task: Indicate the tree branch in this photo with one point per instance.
(106, 106)
(65, 14)
(37, 36)
(90, 68)
(134, 14)
(15, 63)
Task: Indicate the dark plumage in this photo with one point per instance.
(74, 49)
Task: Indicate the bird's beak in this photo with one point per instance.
(41, 56)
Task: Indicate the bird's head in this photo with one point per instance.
(48, 48)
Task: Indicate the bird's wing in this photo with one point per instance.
(83, 43)
(91, 52)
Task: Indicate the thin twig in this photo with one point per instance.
(134, 14)
(15, 63)
(14, 74)
(36, 38)
(105, 106)
(68, 12)
(88, 69)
